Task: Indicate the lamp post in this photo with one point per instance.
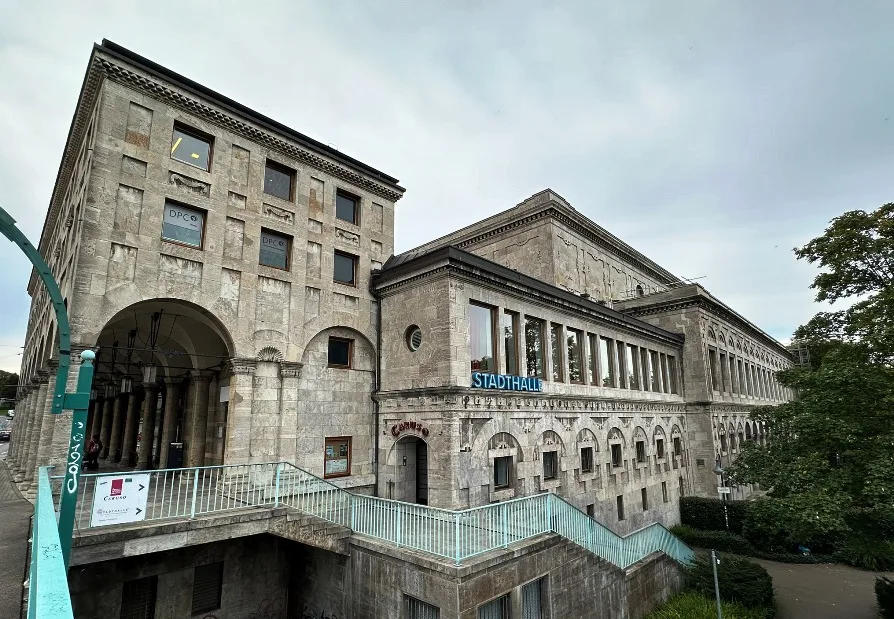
(718, 470)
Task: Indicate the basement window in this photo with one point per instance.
(207, 587)
(138, 598)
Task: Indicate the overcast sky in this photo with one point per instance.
(711, 136)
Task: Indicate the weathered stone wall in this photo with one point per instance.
(255, 580)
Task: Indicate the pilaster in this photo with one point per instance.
(238, 445)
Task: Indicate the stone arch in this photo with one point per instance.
(587, 438)
(658, 432)
(616, 436)
(505, 440)
(639, 290)
(317, 349)
(711, 335)
(551, 439)
(721, 338)
(639, 433)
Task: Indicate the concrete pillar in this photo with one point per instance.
(21, 431)
(289, 373)
(131, 425)
(197, 413)
(48, 426)
(117, 433)
(20, 423)
(95, 425)
(37, 428)
(105, 432)
(147, 437)
(62, 426)
(239, 409)
(169, 425)
(29, 433)
(91, 414)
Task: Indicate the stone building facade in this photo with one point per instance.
(238, 284)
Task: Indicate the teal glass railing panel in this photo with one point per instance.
(48, 596)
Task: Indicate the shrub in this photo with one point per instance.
(741, 581)
(783, 524)
(884, 596)
(866, 553)
(694, 606)
(714, 540)
(707, 514)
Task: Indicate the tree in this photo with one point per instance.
(8, 384)
(828, 461)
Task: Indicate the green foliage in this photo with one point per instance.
(884, 596)
(783, 524)
(707, 514)
(694, 606)
(714, 540)
(8, 384)
(741, 581)
(866, 552)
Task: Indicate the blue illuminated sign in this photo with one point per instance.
(505, 382)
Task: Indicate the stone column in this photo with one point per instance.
(238, 447)
(105, 432)
(37, 429)
(95, 425)
(288, 444)
(29, 432)
(118, 420)
(147, 438)
(91, 414)
(131, 425)
(62, 428)
(48, 426)
(197, 405)
(23, 425)
(169, 425)
(15, 448)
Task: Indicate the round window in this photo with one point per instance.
(414, 338)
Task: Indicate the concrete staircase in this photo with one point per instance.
(313, 531)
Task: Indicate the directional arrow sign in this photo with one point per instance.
(118, 499)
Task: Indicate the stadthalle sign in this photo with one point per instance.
(505, 382)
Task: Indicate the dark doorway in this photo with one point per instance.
(421, 472)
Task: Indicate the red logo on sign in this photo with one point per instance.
(117, 487)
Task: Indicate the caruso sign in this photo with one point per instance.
(505, 382)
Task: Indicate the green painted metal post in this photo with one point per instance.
(78, 403)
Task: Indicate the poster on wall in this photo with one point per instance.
(338, 458)
(119, 499)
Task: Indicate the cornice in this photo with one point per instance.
(157, 90)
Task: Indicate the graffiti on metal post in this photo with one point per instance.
(74, 457)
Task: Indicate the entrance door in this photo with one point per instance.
(421, 472)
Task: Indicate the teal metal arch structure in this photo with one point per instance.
(77, 402)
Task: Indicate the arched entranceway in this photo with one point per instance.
(409, 467)
(157, 400)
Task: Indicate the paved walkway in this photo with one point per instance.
(825, 591)
(15, 524)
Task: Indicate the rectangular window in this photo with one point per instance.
(417, 609)
(644, 362)
(182, 224)
(654, 371)
(275, 250)
(605, 362)
(192, 147)
(345, 268)
(743, 384)
(664, 491)
(640, 451)
(724, 374)
(502, 470)
(723, 441)
(586, 460)
(534, 346)
(495, 609)
(620, 501)
(678, 447)
(278, 180)
(733, 378)
(672, 373)
(659, 448)
(665, 386)
(481, 337)
(616, 455)
(138, 598)
(555, 338)
(620, 354)
(594, 363)
(575, 367)
(207, 587)
(346, 207)
(550, 464)
(340, 352)
(645, 497)
(712, 369)
(337, 458)
(632, 367)
(532, 593)
(591, 510)
(509, 322)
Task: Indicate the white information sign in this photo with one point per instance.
(119, 499)
(723, 490)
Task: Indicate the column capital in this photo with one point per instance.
(240, 366)
(153, 386)
(52, 365)
(290, 369)
(202, 376)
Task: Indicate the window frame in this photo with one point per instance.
(509, 466)
(619, 503)
(594, 360)
(288, 240)
(354, 259)
(201, 246)
(556, 348)
(664, 494)
(588, 460)
(513, 324)
(579, 345)
(677, 446)
(542, 357)
(198, 135)
(644, 495)
(284, 169)
(350, 364)
(632, 369)
(208, 609)
(641, 455)
(492, 311)
(659, 449)
(553, 456)
(619, 463)
(337, 440)
(606, 365)
(350, 196)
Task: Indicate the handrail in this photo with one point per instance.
(48, 596)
